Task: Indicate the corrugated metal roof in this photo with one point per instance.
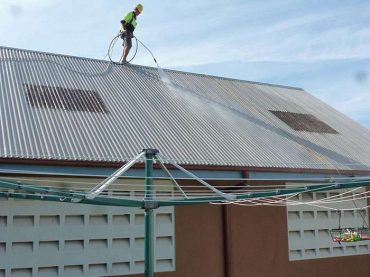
(206, 120)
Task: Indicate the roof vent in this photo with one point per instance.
(64, 99)
(304, 122)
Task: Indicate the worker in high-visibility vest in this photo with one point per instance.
(127, 31)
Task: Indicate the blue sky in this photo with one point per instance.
(320, 46)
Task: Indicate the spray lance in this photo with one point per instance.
(147, 49)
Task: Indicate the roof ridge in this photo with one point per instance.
(150, 67)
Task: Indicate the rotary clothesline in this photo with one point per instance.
(147, 199)
(173, 193)
(30, 191)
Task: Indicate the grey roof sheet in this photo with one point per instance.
(205, 120)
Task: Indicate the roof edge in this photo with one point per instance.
(145, 66)
(95, 164)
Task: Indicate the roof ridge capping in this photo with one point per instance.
(150, 67)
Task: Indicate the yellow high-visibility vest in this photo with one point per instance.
(130, 21)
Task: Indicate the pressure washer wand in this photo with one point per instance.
(148, 50)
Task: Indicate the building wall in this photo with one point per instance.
(62, 239)
(234, 241)
(257, 246)
(199, 251)
(199, 242)
(40, 238)
(264, 249)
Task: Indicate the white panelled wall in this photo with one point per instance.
(309, 226)
(52, 239)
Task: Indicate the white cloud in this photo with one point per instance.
(282, 34)
(7, 6)
(357, 107)
(26, 2)
(358, 103)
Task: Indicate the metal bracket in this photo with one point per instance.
(150, 151)
(150, 205)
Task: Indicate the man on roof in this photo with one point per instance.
(127, 31)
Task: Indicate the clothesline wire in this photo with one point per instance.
(56, 174)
